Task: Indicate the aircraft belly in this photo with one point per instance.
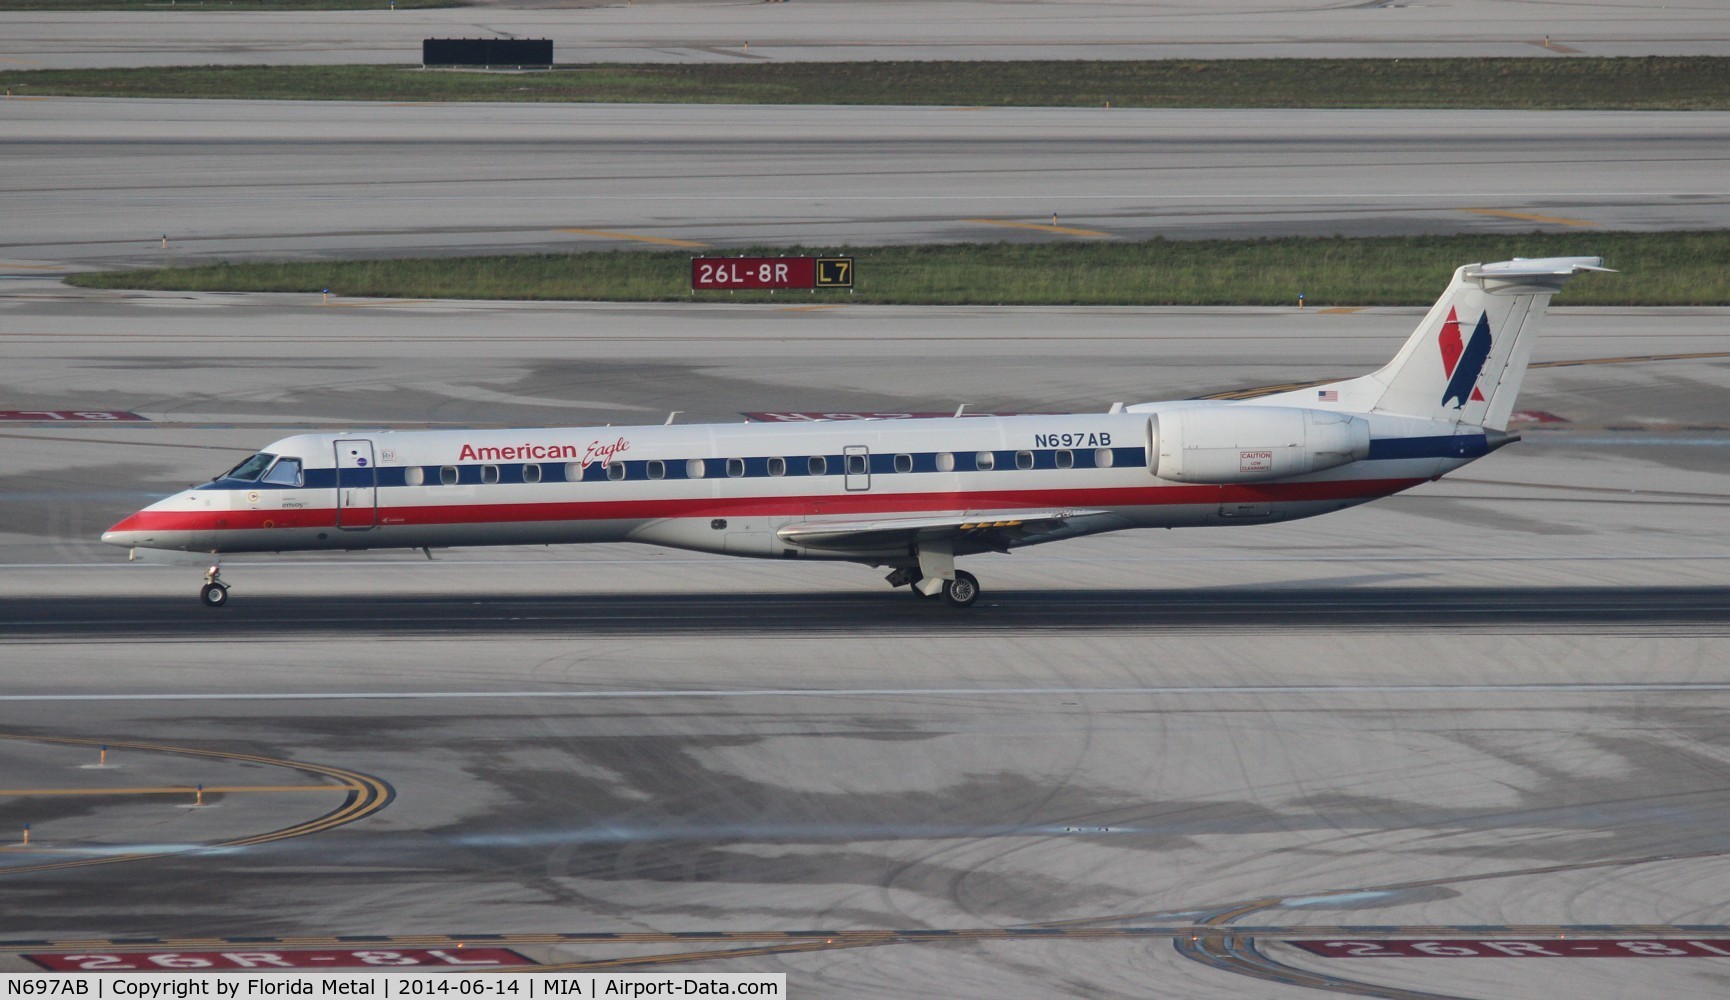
(410, 536)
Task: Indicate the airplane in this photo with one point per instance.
(908, 495)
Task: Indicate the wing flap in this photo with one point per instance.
(996, 528)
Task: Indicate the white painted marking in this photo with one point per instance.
(1016, 692)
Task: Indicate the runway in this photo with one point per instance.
(686, 31)
(203, 181)
(1490, 710)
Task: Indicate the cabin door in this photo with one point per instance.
(356, 486)
(858, 459)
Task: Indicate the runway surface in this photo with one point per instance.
(101, 183)
(1487, 710)
(650, 31)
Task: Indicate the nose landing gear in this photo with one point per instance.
(214, 593)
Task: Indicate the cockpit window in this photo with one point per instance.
(286, 472)
(250, 469)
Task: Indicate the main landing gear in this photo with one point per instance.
(214, 593)
(960, 592)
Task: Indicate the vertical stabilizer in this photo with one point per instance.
(1465, 361)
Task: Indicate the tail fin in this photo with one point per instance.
(1466, 360)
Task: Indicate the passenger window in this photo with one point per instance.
(1102, 458)
(250, 469)
(694, 469)
(657, 469)
(903, 463)
(945, 461)
(531, 473)
(1065, 458)
(985, 461)
(448, 475)
(1024, 460)
(489, 474)
(286, 472)
(414, 475)
(858, 465)
(735, 468)
(615, 471)
(777, 467)
(817, 465)
(573, 472)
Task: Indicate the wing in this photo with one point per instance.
(980, 530)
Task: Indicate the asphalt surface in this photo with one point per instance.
(103, 183)
(720, 31)
(769, 615)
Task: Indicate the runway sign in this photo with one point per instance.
(759, 273)
(69, 416)
(423, 959)
(486, 52)
(1520, 948)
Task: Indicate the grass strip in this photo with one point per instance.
(1643, 83)
(1657, 269)
(220, 5)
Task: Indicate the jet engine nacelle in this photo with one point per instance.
(1252, 444)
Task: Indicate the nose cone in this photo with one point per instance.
(125, 533)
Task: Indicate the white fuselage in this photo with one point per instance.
(732, 488)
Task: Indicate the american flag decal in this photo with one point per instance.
(1327, 395)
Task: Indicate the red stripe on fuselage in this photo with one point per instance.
(850, 504)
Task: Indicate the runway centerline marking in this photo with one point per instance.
(634, 237)
(1659, 687)
(1041, 227)
(1553, 220)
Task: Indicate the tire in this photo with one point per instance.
(962, 591)
(214, 595)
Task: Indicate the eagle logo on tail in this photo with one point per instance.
(1463, 360)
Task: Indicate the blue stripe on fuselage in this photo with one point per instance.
(797, 466)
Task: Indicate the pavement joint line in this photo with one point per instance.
(891, 936)
(1558, 687)
(634, 237)
(1252, 392)
(1553, 220)
(180, 790)
(1041, 227)
(371, 303)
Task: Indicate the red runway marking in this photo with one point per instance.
(422, 959)
(1520, 948)
(70, 416)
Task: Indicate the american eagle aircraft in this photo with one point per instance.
(910, 495)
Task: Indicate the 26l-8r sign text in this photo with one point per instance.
(757, 273)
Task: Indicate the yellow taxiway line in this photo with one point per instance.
(1554, 220)
(635, 237)
(1040, 227)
